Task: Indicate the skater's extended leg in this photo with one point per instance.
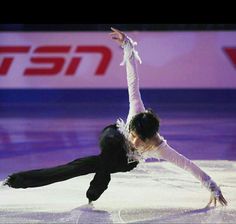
(41, 177)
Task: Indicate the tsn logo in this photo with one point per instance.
(231, 53)
(42, 55)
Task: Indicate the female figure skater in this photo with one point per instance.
(122, 144)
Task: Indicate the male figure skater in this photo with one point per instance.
(122, 144)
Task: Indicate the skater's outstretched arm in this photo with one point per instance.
(130, 54)
(169, 154)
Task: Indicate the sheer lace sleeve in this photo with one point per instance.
(135, 101)
(169, 154)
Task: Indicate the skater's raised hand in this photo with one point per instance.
(117, 35)
(214, 199)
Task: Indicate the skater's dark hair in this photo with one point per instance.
(145, 124)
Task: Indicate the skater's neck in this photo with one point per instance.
(148, 144)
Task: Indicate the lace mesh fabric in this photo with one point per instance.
(129, 44)
(123, 129)
(212, 187)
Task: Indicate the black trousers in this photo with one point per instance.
(112, 159)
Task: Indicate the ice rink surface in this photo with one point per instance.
(154, 192)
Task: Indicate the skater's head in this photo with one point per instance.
(144, 125)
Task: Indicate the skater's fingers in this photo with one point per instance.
(209, 203)
(223, 199)
(120, 34)
(214, 201)
(113, 36)
(211, 199)
(221, 202)
(116, 30)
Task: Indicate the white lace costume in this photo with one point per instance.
(163, 151)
